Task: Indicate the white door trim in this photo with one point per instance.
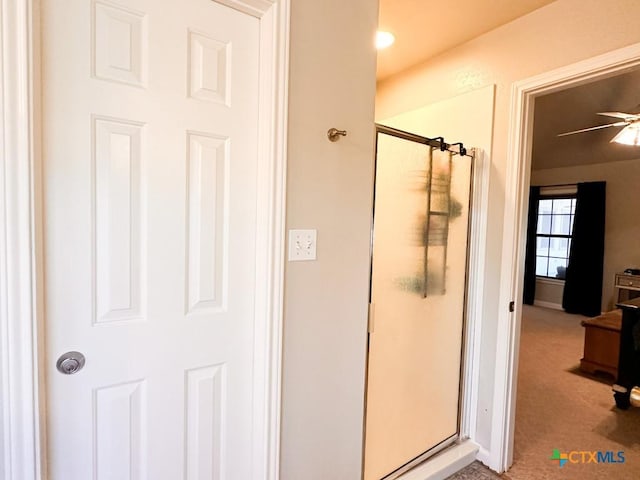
(22, 410)
(475, 295)
(20, 454)
(523, 94)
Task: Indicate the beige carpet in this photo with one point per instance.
(560, 408)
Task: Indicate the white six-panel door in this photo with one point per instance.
(149, 147)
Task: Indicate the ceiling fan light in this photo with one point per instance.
(629, 135)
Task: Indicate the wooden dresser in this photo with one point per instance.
(628, 286)
(602, 343)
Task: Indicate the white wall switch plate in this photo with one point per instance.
(302, 245)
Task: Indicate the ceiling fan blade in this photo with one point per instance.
(617, 124)
(625, 116)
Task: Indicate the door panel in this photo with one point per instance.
(418, 289)
(150, 114)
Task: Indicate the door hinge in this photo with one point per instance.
(370, 323)
(512, 307)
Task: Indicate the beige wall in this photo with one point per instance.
(622, 228)
(559, 34)
(329, 188)
(549, 293)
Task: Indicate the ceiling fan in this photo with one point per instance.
(629, 135)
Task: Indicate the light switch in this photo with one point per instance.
(302, 245)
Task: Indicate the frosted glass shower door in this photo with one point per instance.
(418, 285)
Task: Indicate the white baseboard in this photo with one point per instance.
(542, 303)
(484, 457)
(489, 460)
(444, 464)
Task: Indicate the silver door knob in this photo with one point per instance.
(70, 363)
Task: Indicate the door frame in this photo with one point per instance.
(523, 94)
(22, 396)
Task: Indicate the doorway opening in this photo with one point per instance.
(553, 351)
(520, 176)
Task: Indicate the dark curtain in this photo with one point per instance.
(530, 252)
(583, 284)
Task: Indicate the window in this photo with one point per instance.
(553, 236)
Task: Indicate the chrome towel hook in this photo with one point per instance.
(333, 134)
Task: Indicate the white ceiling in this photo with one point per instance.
(576, 108)
(425, 28)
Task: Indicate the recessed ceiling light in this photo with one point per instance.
(384, 39)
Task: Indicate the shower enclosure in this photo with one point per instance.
(417, 300)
